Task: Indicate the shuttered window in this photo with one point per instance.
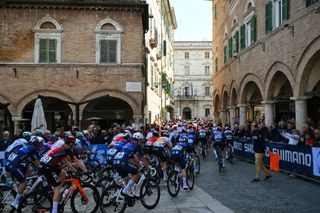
(47, 51)
(243, 37)
(268, 17)
(108, 51)
(285, 10)
(225, 54)
(216, 63)
(164, 48)
(253, 29)
(310, 2)
(235, 43)
(230, 48)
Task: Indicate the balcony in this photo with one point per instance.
(186, 97)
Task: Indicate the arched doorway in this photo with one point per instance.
(252, 97)
(314, 105)
(186, 113)
(280, 90)
(5, 117)
(57, 113)
(107, 110)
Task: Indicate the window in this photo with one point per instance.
(225, 54)
(108, 42)
(248, 33)
(152, 77)
(215, 11)
(186, 55)
(207, 91)
(216, 63)
(310, 2)
(235, 44)
(207, 112)
(187, 70)
(277, 11)
(207, 70)
(187, 91)
(108, 51)
(207, 55)
(47, 40)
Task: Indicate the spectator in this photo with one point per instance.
(17, 135)
(293, 137)
(263, 130)
(309, 139)
(247, 132)
(5, 142)
(317, 138)
(259, 147)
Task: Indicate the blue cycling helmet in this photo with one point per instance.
(39, 132)
(36, 140)
(183, 139)
(80, 135)
(26, 135)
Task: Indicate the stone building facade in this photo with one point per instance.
(266, 60)
(193, 79)
(86, 60)
(159, 47)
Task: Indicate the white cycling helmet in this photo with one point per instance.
(138, 135)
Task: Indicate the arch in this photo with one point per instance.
(308, 59)
(225, 99)
(234, 97)
(44, 92)
(108, 21)
(49, 19)
(186, 112)
(277, 67)
(117, 94)
(249, 5)
(250, 77)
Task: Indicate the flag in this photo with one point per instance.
(274, 161)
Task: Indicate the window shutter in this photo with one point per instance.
(43, 58)
(243, 37)
(285, 10)
(225, 54)
(52, 50)
(112, 51)
(230, 48)
(309, 2)
(269, 17)
(237, 41)
(217, 64)
(164, 48)
(103, 51)
(254, 29)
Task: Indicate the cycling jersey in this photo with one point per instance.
(228, 134)
(116, 147)
(17, 144)
(53, 158)
(192, 138)
(161, 148)
(57, 143)
(178, 154)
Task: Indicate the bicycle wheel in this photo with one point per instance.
(173, 184)
(190, 177)
(7, 195)
(103, 183)
(78, 203)
(219, 164)
(111, 200)
(106, 172)
(198, 165)
(36, 201)
(97, 167)
(150, 194)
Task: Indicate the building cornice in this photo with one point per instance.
(27, 64)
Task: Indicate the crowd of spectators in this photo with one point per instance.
(283, 132)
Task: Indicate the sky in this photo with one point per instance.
(194, 20)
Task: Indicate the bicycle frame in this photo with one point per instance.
(75, 185)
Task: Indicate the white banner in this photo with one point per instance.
(316, 161)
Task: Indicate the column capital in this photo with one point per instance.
(242, 105)
(300, 98)
(268, 102)
(14, 119)
(232, 107)
(224, 110)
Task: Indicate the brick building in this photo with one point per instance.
(86, 58)
(266, 60)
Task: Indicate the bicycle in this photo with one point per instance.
(229, 153)
(175, 179)
(41, 194)
(8, 191)
(219, 159)
(112, 199)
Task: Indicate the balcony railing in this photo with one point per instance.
(186, 97)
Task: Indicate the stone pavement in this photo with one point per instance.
(197, 201)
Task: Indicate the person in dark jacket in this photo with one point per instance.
(259, 147)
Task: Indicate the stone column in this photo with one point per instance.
(301, 111)
(269, 112)
(232, 111)
(16, 121)
(243, 113)
(223, 117)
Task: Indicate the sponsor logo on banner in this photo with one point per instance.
(316, 161)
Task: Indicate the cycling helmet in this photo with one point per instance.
(36, 140)
(51, 137)
(39, 132)
(85, 132)
(218, 128)
(27, 135)
(67, 134)
(80, 135)
(70, 139)
(138, 136)
(183, 139)
(165, 133)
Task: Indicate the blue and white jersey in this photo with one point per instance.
(25, 154)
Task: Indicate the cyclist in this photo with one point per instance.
(192, 138)
(219, 139)
(229, 140)
(17, 144)
(129, 159)
(203, 140)
(51, 166)
(161, 149)
(18, 162)
(178, 154)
